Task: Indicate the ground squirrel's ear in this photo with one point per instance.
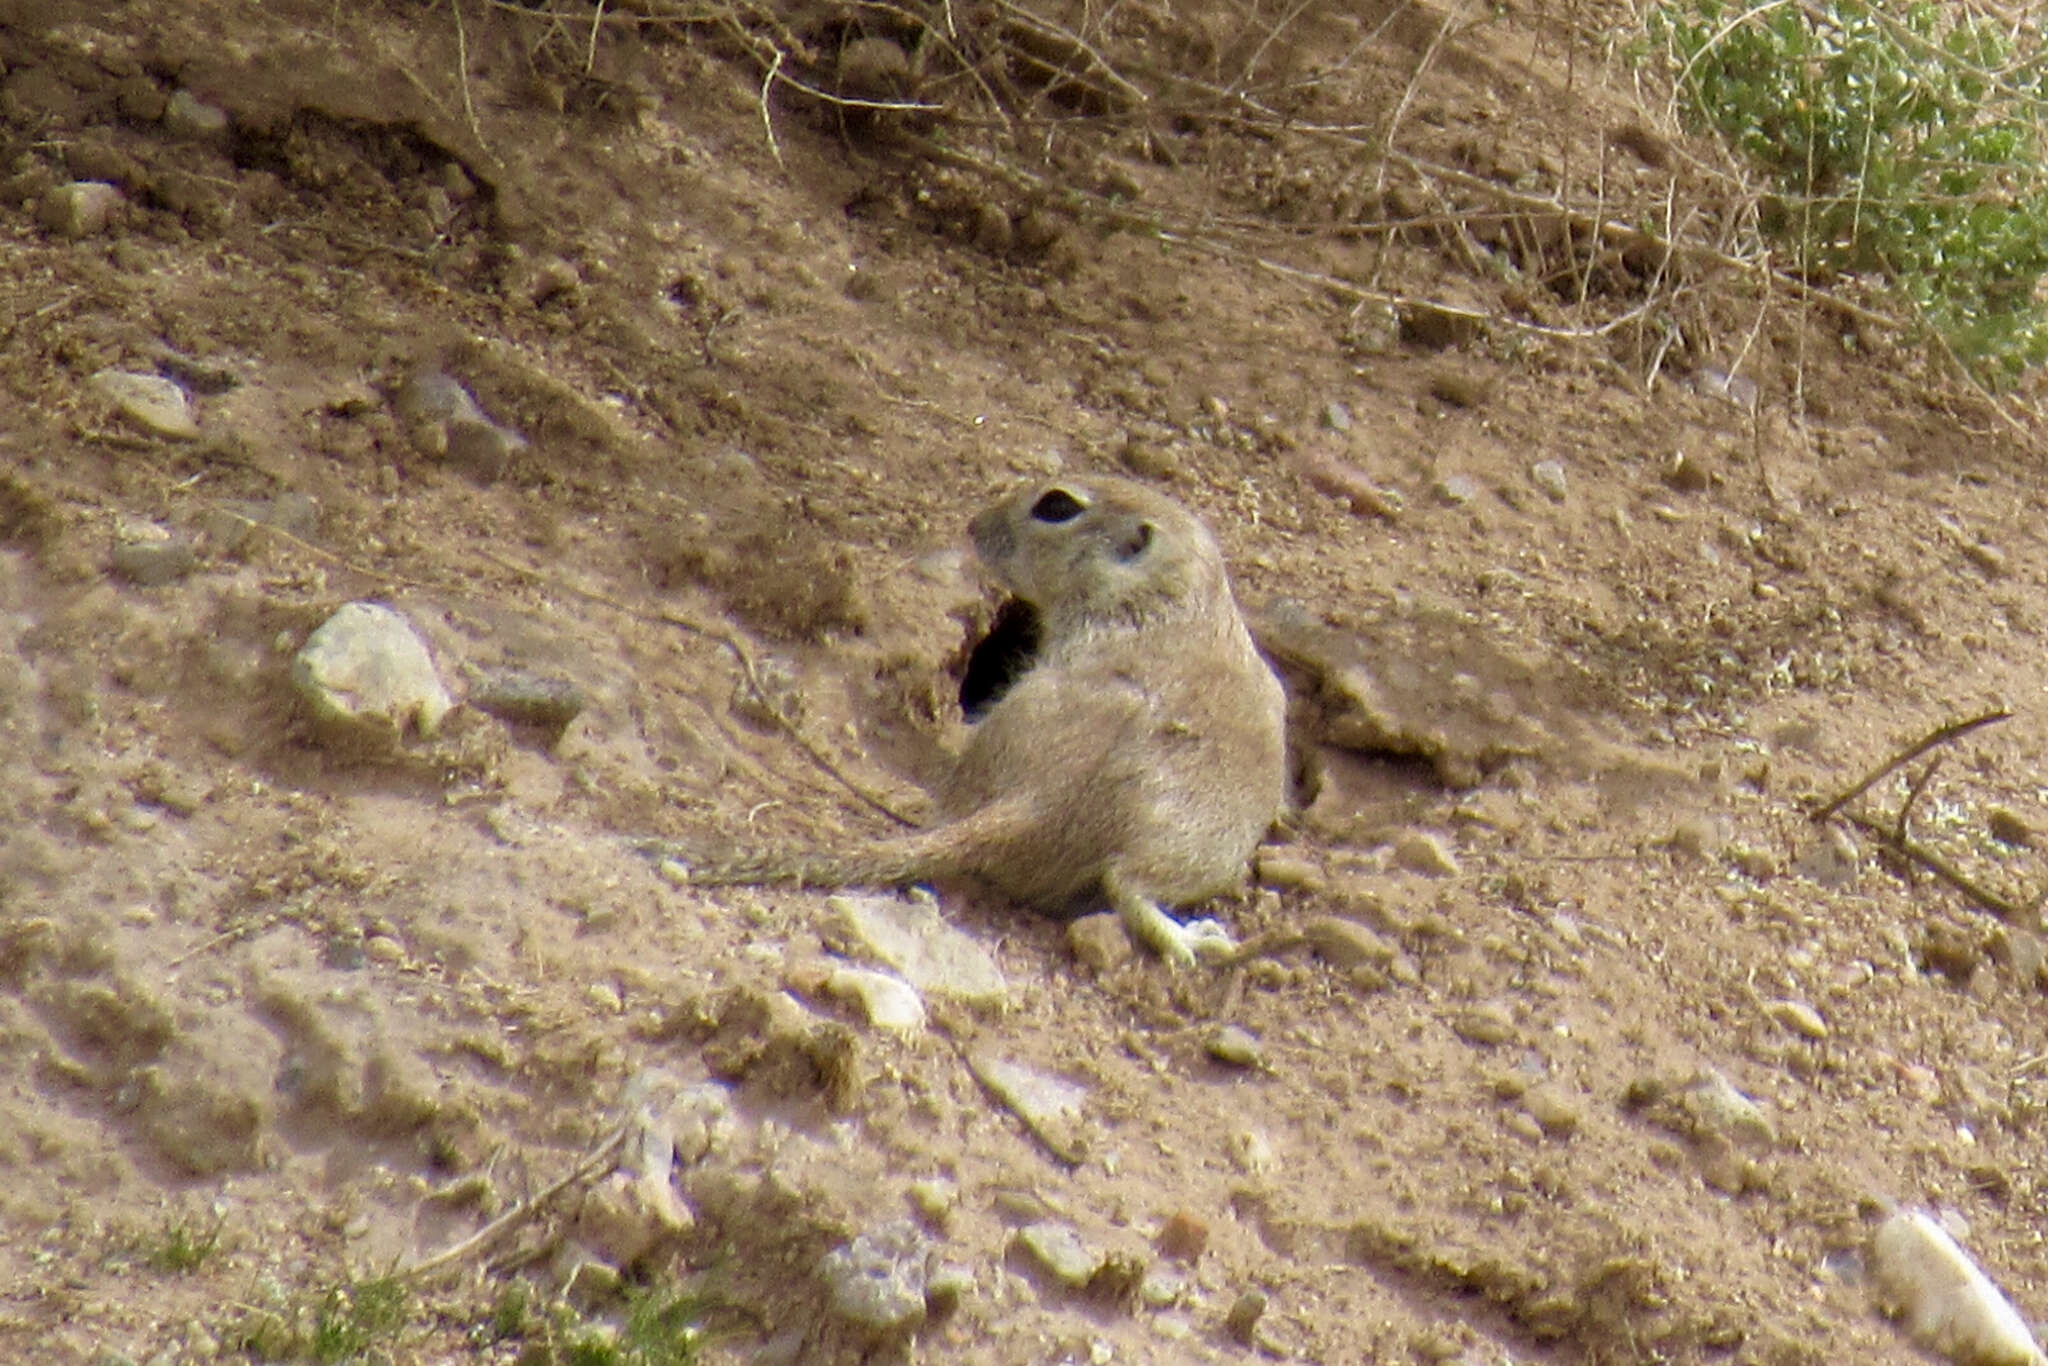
(1135, 544)
(1057, 505)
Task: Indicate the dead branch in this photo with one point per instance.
(2004, 907)
(596, 1163)
(1939, 736)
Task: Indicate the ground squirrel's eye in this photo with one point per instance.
(1137, 543)
(1057, 505)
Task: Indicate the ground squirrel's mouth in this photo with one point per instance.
(1004, 654)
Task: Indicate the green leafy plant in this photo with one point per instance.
(1901, 139)
(178, 1249)
(345, 1325)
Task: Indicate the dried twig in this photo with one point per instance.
(1939, 736)
(2004, 907)
(596, 1163)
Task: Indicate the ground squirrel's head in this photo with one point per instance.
(1094, 548)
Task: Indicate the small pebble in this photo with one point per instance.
(1489, 1024)
(1183, 1237)
(888, 1002)
(878, 1281)
(1688, 474)
(151, 402)
(154, 562)
(83, 208)
(1461, 389)
(1549, 476)
(1554, 1108)
(529, 700)
(1234, 1045)
(1989, 558)
(1348, 944)
(1424, 853)
(1798, 1017)
(187, 116)
(1058, 1249)
(1336, 417)
(1456, 489)
(1243, 1319)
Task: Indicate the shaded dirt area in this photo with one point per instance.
(1578, 640)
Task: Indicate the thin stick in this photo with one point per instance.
(1939, 736)
(767, 119)
(599, 1161)
(1913, 791)
(1999, 905)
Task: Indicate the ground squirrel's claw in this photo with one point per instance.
(1209, 940)
(1181, 946)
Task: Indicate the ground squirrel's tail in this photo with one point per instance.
(882, 863)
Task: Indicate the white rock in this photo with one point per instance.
(151, 402)
(925, 951)
(365, 667)
(889, 1002)
(1950, 1306)
(877, 1281)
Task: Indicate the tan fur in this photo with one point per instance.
(1137, 763)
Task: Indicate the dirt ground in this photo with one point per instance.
(1581, 632)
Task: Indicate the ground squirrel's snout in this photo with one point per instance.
(993, 539)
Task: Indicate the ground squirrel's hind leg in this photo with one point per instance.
(1179, 944)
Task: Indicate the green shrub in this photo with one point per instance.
(1902, 139)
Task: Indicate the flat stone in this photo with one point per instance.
(366, 669)
(1059, 1250)
(878, 1281)
(154, 558)
(924, 950)
(151, 402)
(1050, 1107)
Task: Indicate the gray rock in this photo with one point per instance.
(525, 699)
(878, 1281)
(151, 557)
(445, 423)
(188, 116)
(83, 208)
(1550, 477)
(1716, 1107)
(1456, 489)
(1336, 417)
(925, 951)
(1059, 1250)
(365, 669)
(151, 402)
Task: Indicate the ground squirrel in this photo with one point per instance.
(1136, 757)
